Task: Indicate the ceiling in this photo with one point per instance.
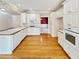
(36, 5)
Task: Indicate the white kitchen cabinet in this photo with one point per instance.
(18, 37)
(75, 54)
(75, 20)
(33, 31)
(72, 20)
(75, 6)
(71, 13)
(67, 20)
(71, 6)
(70, 50)
(12, 39)
(60, 38)
(33, 20)
(59, 12)
(68, 7)
(6, 44)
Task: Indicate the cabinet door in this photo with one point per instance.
(75, 54)
(68, 7)
(75, 5)
(33, 31)
(71, 6)
(75, 20)
(67, 20)
(17, 38)
(60, 38)
(72, 19)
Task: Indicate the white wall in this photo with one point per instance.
(5, 21)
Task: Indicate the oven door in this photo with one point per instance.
(70, 37)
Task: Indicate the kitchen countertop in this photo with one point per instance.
(12, 31)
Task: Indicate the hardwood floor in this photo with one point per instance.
(38, 47)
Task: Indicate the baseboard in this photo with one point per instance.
(54, 36)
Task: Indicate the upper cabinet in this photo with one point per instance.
(33, 20)
(71, 13)
(59, 12)
(71, 6)
(72, 20)
(67, 7)
(75, 5)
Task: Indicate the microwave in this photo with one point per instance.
(72, 38)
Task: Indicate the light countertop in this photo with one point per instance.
(11, 31)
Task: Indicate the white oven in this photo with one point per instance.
(72, 38)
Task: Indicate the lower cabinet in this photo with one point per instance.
(33, 31)
(9, 42)
(75, 54)
(6, 44)
(18, 37)
(60, 38)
